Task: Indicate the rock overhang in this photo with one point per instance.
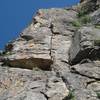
(30, 63)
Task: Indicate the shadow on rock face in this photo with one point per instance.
(86, 45)
(44, 64)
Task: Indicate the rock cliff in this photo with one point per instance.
(56, 57)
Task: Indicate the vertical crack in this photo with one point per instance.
(51, 28)
(44, 95)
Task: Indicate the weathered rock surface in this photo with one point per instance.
(96, 17)
(38, 41)
(90, 5)
(34, 52)
(90, 70)
(54, 58)
(85, 45)
(24, 84)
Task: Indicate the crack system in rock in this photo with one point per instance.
(73, 70)
(90, 82)
(51, 27)
(44, 95)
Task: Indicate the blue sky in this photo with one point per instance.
(16, 14)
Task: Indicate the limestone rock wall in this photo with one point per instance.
(56, 57)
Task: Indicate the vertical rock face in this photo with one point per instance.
(85, 45)
(89, 5)
(56, 57)
(42, 45)
(33, 51)
(43, 40)
(97, 2)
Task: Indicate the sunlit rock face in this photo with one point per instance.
(47, 38)
(56, 57)
(34, 51)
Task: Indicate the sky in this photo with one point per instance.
(16, 14)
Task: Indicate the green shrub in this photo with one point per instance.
(76, 23)
(98, 95)
(35, 68)
(6, 53)
(97, 26)
(97, 42)
(81, 21)
(85, 19)
(81, 13)
(70, 96)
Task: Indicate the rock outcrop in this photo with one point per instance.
(85, 45)
(56, 57)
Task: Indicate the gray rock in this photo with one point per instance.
(56, 90)
(96, 1)
(60, 47)
(88, 69)
(85, 45)
(88, 6)
(59, 61)
(57, 14)
(38, 44)
(35, 96)
(24, 84)
(33, 53)
(96, 17)
(78, 86)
